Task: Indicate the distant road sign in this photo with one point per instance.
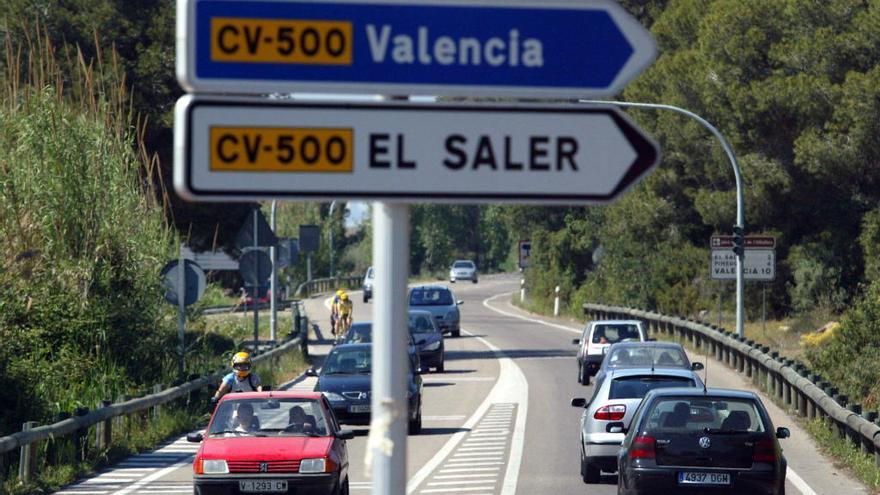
(255, 267)
(309, 238)
(245, 236)
(194, 285)
(245, 149)
(758, 264)
(288, 252)
(525, 253)
(751, 242)
(518, 48)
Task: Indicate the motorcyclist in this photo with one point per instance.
(241, 379)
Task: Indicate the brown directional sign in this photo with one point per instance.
(751, 242)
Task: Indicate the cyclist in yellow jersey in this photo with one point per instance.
(344, 310)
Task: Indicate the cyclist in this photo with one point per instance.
(333, 310)
(344, 309)
(241, 379)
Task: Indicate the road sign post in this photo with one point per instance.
(388, 425)
(513, 48)
(184, 285)
(247, 149)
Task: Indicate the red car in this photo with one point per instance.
(272, 442)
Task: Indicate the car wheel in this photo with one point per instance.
(580, 373)
(440, 366)
(475, 280)
(415, 426)
(366, 298)
(590, 473)
(456, 333)
(451, 281)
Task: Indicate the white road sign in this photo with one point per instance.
(249, 148)
(758, 264)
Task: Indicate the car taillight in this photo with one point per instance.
(643, 447)
(614, 412)
(765, 451)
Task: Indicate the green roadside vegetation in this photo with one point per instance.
(842, 450)
(82, 316)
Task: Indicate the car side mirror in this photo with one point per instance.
(345, 434)
(697, 366)
(459, 302)
(194, 437)
(782, 432)
(579, 402)
(576, 341)
(311, 372)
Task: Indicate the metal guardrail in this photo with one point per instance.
(78, 425)
(323, 285)
(240, 308)
(787, 381)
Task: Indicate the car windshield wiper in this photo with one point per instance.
(239, 432)
(337, 373)
(364, 372)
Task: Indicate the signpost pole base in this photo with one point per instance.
(388, 428)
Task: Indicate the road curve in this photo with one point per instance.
(496, 422)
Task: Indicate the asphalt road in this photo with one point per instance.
(498, 421)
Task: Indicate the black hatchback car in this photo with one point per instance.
(701, 441)
(345, 381)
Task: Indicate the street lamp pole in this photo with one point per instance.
(740, 209)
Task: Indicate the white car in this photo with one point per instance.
(463, 270)
(597, 337)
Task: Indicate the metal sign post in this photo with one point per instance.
(388, 425)
(256, 291)
(181, 311)
(273, 281)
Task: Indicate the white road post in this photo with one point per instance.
(388, 427)
(522, 290)
(273, 282)
(556, 303)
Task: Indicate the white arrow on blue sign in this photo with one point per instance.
(523, 48)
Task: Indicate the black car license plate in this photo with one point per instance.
(262, 486)
(697, 478)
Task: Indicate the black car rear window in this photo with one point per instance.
(699, 413)
(463, 264)
(430, 297)
(644, 356)
(636, 387)
(611, 334)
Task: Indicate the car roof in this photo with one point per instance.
(615, 322)
(274, 394)
(347, 347)
(714, 393)
(615, 373)
(430, 287)
(629, 345)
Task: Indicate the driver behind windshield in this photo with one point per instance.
(299, 421)
(244, 418)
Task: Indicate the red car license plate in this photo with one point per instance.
(262, 486)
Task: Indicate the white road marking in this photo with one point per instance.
(81, 492)
(447, 490)
(444, 379)
(459, 476)
(511, 387)
(790, 475)
(459, 470)
(460, 482)
(158, 474)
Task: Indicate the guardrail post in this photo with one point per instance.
(54, 445)
(104, 429)
(157, 409)
(80, 438)
(27, 463)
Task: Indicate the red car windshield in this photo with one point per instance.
(269, 417)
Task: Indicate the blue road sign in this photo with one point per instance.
(523, 48)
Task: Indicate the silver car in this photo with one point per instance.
(645, 355)
(463, 270)
(441, 303)
(608, 413)
(597, 337)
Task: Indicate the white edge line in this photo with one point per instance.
(790, 474)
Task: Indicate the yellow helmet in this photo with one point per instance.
(344, 296)
(241, 364)
(340, 292)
